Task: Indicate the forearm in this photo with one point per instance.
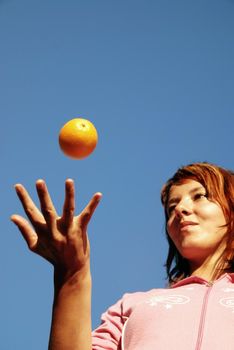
(71, 318)
(63, 241)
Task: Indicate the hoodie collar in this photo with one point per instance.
(200, 280)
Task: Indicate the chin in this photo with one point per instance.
(192, 251)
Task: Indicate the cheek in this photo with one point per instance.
(213, 215)
(171, 228)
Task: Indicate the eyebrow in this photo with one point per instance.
(176, 199)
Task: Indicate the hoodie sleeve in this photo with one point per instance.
(108, 335)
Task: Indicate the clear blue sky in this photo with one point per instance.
(156, 78)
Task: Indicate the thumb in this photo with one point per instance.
(88, 211)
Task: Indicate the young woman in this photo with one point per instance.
(195, 312)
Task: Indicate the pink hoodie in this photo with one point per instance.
(191, 315)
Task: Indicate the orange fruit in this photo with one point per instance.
(78, 138)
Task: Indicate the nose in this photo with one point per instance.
(183, 209)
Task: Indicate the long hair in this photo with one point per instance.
(219, 185)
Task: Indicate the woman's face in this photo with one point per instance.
(195, 222)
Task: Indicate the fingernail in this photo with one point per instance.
(100, 195)
(12, 220)
(16, 186)
(40, 183)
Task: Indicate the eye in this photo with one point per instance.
(200, 196)
(170, 209)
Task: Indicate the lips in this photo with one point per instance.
(186, 224)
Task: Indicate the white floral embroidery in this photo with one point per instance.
(168, 300)
(228, 290)
(228, 302)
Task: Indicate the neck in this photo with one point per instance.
(209, 266)
(208, 274)
(210, 269)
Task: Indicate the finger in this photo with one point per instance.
(26, 230)
(31, 210)
(88, 211)
(69, 203)
(47, 207)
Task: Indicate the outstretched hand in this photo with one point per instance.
(62, 240)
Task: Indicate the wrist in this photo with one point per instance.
(72, 279)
